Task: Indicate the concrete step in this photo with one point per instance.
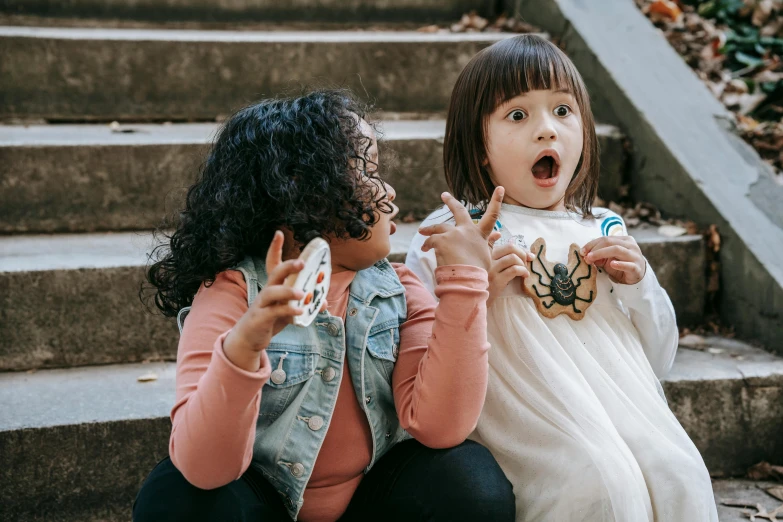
(93, 74)
(313, 11)
(733, 491)
(86, 178)
(72, 300)
(80, 441)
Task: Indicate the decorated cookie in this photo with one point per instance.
(560, 289)
(313, 280)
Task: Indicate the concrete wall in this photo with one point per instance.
(685, 158)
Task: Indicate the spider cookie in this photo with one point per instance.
(313, 280)
(557, 288)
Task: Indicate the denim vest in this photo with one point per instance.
(307, 364)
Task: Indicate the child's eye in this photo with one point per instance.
(562, 111)
(516, 115)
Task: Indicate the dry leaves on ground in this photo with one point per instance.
(765, 471)
(646, 215)
(775, 491)
(472, 22)
(736, 48)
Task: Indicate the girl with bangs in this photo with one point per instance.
(574, 412)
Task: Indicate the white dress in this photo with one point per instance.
(575, 414)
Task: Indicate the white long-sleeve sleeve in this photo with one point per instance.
(652, 314)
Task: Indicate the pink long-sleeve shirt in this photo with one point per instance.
(439, 384)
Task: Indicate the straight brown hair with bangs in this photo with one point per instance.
(496, 74)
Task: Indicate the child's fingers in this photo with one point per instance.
(505, 277)
(458, 210)
(430, 243)
(602, 242)
(510, 248)
(274, 254)
(282, 311)
(277, 294)
(624, 266)
(440, 228)
(494, 236)
(507, 261)
(283, 270)
(614, 251)
(490, 217)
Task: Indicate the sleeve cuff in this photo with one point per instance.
(238, 374)
(640, 291)
(468, 275)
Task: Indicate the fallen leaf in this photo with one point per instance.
(666, 8)
(763, 513)
(765, 471)
(470, 22)
(713, 239)
(148, 377)
(762, 12)
(775, 491)
(429, 29)
(671, 231)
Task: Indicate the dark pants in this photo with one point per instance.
(410, 483)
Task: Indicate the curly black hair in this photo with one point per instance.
(300, 163)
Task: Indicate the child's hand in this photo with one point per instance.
(268, 314)
(463, 243)
(508, 262)
(619, 256)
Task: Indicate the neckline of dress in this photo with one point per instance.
(551, 214)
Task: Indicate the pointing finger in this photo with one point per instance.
(274, 254)
(458, 210)
(440, 228)
(492, 214)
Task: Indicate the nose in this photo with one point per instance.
(546, 130)
(390, 192)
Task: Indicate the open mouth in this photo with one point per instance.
(546, 169)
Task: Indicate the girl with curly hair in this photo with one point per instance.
(362, 415)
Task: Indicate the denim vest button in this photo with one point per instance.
(315, 423)
(333, 330)
(278, 376)
(329, 374)
(353, 312)
(297, 470)
(367, 400)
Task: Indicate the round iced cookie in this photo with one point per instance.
(313, 280)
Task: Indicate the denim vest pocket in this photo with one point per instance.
(383, 344)
(291, 367)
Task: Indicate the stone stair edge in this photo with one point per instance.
(55, 389)
(130, 133)
(95, 398)
(44, 252)
(218, 35)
